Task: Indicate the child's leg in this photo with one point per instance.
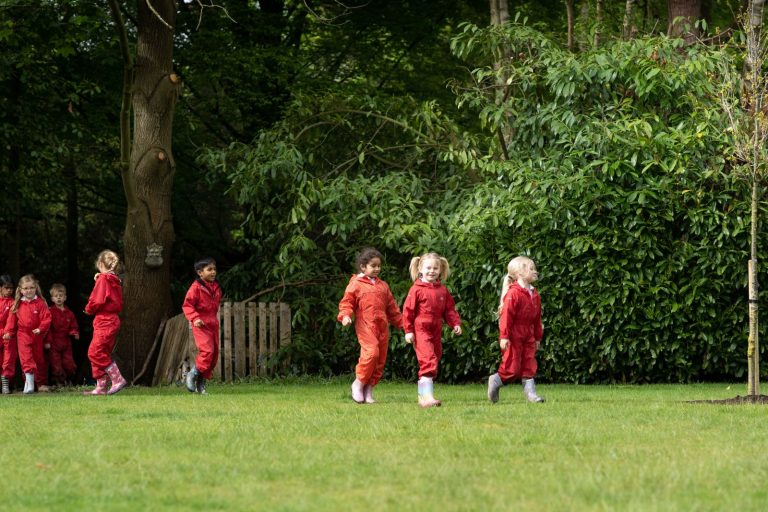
(207, 341)
(10, 355)
(105, 330)
(68, 361)
(55, 359)
(26, 356)
(528, 371)
(511, 362)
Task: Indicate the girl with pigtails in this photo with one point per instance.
(105, 304)
(428, 303)
(520, 330)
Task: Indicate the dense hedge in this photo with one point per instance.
(616, 181)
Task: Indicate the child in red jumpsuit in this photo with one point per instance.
(427, 304)
(201, 307)
(63, 326)
(105, 303)
(28, 322)
(369, 299)
(8, 351)
(520, 330)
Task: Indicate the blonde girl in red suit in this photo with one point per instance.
(520, 330)
(428, 303)
(8, 351)
(370, 301)
(29, 321)
(105, 304)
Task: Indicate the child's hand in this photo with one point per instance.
(409, 337)
(346, 321)
(36, 331)
(96, 275)
(538, 345)
(198, 323)
(47, 346)
(6, 336)
(76, 336)
(457, 330)
(503, 344)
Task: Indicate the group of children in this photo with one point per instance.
(40, 336)
(428, 303)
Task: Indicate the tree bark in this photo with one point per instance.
(148, 183)
(499, 12)
(681, 18)
(629, 6)
(599, 15)
(570, 17)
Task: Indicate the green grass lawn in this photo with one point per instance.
(306, 446)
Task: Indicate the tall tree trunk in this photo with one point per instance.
(73, 218)
(599, 15)
(681, 18)
(499, 12)
(570, 17)
(755, 89)
(626, 32)
(148, 182)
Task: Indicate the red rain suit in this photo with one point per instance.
(202, 302)
(520, 323)
(32, 314)
(63, 325)
(426, 305)
(373, 307)
(8, 350)
(105, 303)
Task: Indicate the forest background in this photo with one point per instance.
(588, 135)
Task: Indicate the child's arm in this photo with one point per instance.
(393, 311)
(347, 305)
(451, 316)
(98, 296)
(190, 306)
(74, 329)
(506, 320)
(45, 321)
(409, 314)
(538, 328)
(9, 331)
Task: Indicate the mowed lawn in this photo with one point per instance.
(304, 445)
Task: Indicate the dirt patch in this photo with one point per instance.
(737, 400)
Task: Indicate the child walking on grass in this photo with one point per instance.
(8, 352)
(59, 339)
(28, 322)
(427, 304)
(520, 330)
(105, 303)
(201, 308)
(370, 301)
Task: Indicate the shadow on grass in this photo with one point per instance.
(737, 400)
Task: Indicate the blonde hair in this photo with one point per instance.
(29, 278)
(58, 287)
(415, 265)
(109, 259)
(515, 268)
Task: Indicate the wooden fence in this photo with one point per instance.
(252, 336)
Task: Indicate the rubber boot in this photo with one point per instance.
(101, 387)
(529, 390)
(191, 379)
(118, 382)
(494, 385)
(29, 383)
(426, 398)
(6, 385)
(201, 385)
(358, 391)
(368, 393)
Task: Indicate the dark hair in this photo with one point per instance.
(367, 255)
(203, 262)
(6, 280)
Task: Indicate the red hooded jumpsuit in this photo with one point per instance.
(202, 302)
(426, 305)
(32, 314)
(105, 302)
(520, 323)
(63, 325)
(8, 350)
(373, 307)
